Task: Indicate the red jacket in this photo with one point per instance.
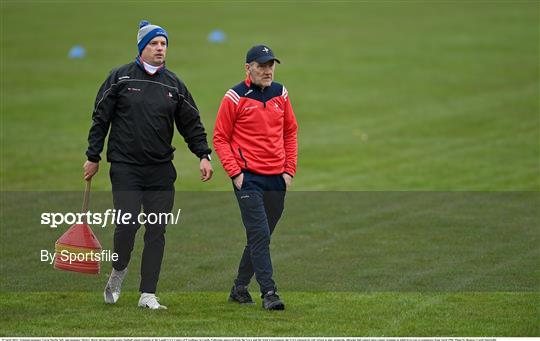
(256, 130)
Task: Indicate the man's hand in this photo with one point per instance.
(287, 178)
(206, 170)
(238, 181)
(90, 169)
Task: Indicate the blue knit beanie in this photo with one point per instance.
(148, 32)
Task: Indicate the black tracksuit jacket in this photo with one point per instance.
(140, 109)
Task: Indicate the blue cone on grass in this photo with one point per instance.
(77, 51)
(216, 37)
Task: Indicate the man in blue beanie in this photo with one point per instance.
(141, 102)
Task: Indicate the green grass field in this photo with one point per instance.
(206, 314)
(414, 210)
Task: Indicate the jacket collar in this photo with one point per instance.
(139, 62)
(250, 85)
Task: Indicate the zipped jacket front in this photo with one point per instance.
(141, 111)
(256, 130)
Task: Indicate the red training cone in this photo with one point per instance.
(76, 249)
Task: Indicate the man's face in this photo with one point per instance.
(154, 53)
(261, 74)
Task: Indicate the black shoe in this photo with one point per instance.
(240, 294)
(271, 301)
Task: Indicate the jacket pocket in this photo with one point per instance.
(242, 157)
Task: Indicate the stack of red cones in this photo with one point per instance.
(76, 249)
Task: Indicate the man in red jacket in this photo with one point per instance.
(255, 139)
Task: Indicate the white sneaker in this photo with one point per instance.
(112, 289)
(150, 301)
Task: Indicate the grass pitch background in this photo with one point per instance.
(406, 96)
(389, 96)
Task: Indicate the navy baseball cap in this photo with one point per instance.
(260, 54)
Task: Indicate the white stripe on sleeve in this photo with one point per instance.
(285, 93)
